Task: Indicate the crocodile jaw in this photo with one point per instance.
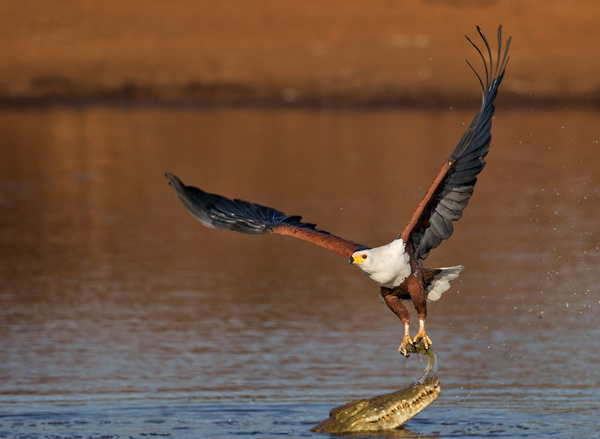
(382, 412)
(395, 409)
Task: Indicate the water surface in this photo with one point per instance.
(121, 316)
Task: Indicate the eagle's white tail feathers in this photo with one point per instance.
(441, 282)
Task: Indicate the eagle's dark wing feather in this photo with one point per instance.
(218, 212)
(450, 192)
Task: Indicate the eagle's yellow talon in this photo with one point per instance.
(405, 342)
(422, 335)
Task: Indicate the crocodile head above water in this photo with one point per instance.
(388, 411)
(382, 412)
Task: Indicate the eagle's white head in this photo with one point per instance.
(387, 265)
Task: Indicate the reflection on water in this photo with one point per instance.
(119, 314)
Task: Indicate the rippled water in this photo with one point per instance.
(120, 316)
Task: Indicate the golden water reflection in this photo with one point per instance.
(110, 286)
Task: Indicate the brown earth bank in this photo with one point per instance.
(309, 52)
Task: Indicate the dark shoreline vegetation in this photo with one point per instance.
(305, 103)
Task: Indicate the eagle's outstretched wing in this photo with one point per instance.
(450, 192)
(218, 212)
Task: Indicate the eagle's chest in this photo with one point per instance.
(391, 272)
(391, 279)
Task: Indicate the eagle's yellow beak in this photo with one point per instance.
(356, 259)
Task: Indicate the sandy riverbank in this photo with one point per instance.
(296, 52)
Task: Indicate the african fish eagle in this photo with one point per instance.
(396, 267)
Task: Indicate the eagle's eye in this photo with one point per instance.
(364, 256)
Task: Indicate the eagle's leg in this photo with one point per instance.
(395, 304)
(422, 335)
(417, 295)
